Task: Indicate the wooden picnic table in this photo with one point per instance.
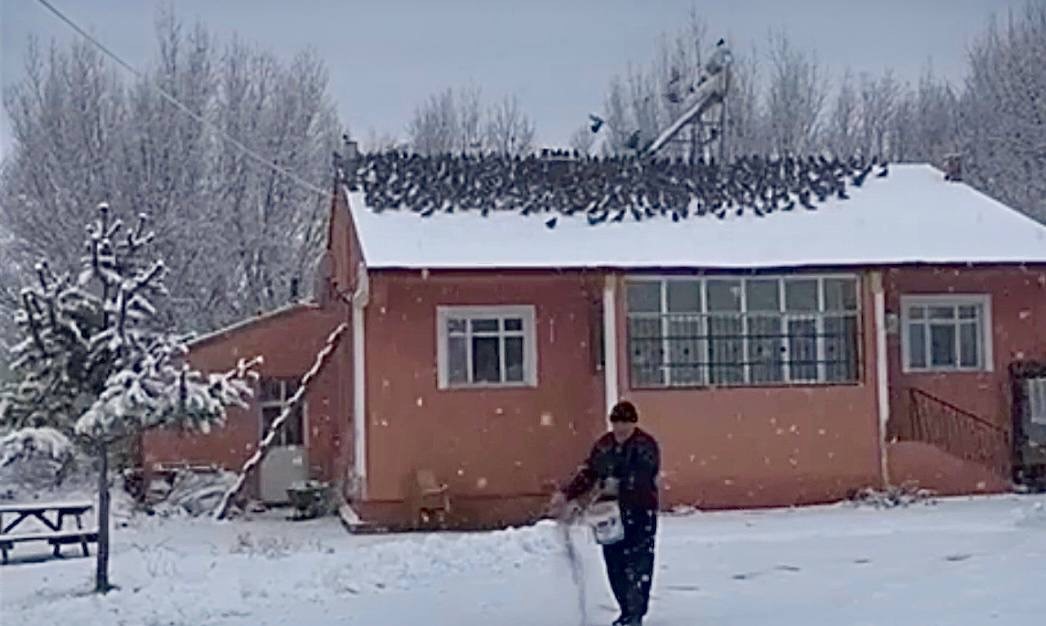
(53, 516)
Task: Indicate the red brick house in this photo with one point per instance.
(790, 332)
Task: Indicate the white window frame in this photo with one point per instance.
(984, 301)
(785, 315)
(530, 350)
(280, 404)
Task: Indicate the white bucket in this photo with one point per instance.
(605, 520)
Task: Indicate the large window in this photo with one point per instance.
(743, 331)
(273, 395)
(946, 332)
(490, 346)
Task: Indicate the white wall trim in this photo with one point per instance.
(882, 371)
(610, 342)
(360, 299)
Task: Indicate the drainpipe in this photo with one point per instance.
(881, 372)
(610, 343)
(360, 299)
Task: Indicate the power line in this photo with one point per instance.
(261, 160)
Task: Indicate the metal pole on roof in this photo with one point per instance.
(722, 114)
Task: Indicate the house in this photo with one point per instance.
(790, 330)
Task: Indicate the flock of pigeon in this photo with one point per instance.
(603, 190)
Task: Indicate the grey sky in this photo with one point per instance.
(386, 56)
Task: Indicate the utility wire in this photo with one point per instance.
(259, 159)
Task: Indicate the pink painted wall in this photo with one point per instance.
(485, 443)
(1018, 311)
(763, 446)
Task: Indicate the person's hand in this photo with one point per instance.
(557, 504)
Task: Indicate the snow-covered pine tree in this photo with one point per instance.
(94, 365)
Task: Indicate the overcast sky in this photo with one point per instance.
(558, 55)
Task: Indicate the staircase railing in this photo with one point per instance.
(958, 432)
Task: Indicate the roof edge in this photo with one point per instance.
(244, 324)
(712, 268)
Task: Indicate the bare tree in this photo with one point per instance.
(938, 117)
(470, 119)
(453, 121)
(1003, 111)
(376, 141)
(795, 97)
(618, 120)
(10, 279)
(643, 101)
(582, 139)
(82, 132)
(841, 128)
(745, 122)
(878, 101)
(435, 128)
(275, 226)
(64, 148)
(509, 130)
(904, 130)
(924, 126)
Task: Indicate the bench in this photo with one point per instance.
(52, 516)
(56, 539)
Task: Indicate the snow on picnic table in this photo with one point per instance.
(960, 562)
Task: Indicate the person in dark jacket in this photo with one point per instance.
(624, 463)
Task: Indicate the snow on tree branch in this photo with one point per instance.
(28, 442)
(94, 358)
(31, 442)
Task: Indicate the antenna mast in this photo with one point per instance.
(704, 112)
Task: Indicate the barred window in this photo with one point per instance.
(742, 331)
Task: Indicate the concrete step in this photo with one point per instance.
(929, 467)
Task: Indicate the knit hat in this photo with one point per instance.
(624, 411)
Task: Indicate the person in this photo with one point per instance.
(624, 463)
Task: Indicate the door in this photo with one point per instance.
(1033, 422)
(287, 461)
(1029, 422)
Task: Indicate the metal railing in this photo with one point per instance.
(696, 349)
(958, 432)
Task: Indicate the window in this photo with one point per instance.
(273, 394)
(946, 333)
(1035, 388)
(742, 331)
(492, 346)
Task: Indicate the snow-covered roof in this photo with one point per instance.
(910, 216)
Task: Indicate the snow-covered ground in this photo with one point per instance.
(964, 562)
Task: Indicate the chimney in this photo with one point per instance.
(349, 161)
(953, 167)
